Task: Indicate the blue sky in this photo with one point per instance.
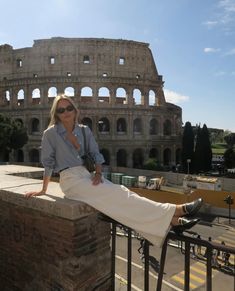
(193, 43)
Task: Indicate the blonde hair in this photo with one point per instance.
(53, 115)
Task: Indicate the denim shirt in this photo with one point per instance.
(58, 153)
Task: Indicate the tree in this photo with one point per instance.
(198, 153)
(187, 147)
(12, 136)
(229, 158)
(230, 139)
(207, 151)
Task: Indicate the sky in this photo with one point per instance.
(192, 41)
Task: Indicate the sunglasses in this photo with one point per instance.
(61, 110)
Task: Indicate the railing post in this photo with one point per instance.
(162, 264)
(209, 269)
(146, 265)
(129, 256)
(187, 266)
(114, 231)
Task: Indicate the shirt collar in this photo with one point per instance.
(61, 129)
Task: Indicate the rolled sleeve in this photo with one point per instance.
(48, 154)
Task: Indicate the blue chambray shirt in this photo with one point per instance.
(58, 153)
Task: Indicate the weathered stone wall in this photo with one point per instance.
(48, 242)
(72, 64)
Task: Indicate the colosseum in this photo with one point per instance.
(115, 84)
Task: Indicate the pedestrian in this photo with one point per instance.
(63, 150)
(199, 247)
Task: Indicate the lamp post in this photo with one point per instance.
(229, 200)
(188, 162)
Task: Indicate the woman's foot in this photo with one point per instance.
(190, 209)
(184, 224)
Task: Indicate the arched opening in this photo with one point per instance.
(104, 126)
(137, 97)
(153, 127)
(121, 126)
(36, 96)
(138, 158)
(34, 156)
(106, 156)
(121, 96)
(137, 126)
(87, 121)
(167, 157)
(167, 127)
(103, 95)
(69, 91)
(20, 97)
(121, 158)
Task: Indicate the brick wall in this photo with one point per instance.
(44, 251)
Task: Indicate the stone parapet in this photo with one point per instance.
(49, 242)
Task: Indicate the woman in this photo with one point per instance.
(62, 152)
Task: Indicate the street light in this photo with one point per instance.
(188, 162)
(229, 201)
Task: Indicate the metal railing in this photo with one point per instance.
(188, 241)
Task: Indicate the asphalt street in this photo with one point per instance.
(219, 229)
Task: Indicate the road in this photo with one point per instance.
(218, 229)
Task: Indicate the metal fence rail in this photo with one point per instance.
(183, 238)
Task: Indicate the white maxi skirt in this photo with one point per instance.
(149, 218)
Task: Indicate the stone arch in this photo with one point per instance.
(19, 156)
(7, 96)
(178, 156)
(154, 154)
(87, 121)
(121, 158)
(167, 127)
(103, 94)
(69, 91)
(86, 94)
(20, 97)
(104, 125)
(121, 96)
(167, 157)
(36, 96)
(138, 158)
(52, 92)
(152, 98)
(153, 126)
(106, 155)
(34, 156)
(35, 126)
(137, 125)
(137, 97)
(121, 125)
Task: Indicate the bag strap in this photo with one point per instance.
(84, 136)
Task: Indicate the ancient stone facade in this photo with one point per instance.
(114, 82)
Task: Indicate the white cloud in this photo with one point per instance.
(230, 53)
(174, 97)
(220, 73)
(211, 50)
(210, 24)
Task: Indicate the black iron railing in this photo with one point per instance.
(188, 241)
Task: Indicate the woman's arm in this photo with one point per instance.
(46, 180)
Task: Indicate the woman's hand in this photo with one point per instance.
(97, 179)
(34, 193)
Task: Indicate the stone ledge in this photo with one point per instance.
(14, 184)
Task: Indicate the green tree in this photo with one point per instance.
(12, 136)
(207, 151)
(187, 148)
(198, 153)
(229, 158)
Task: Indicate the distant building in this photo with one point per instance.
(114, 82)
